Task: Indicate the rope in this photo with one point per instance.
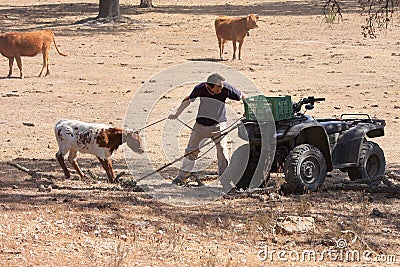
(185, 124)
(224, 132)
(152, 124)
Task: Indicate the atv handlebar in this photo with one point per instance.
(309, 101)
(319, 99)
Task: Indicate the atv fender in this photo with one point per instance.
(314, 134)
(346, 152)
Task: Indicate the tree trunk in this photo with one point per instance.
(146, 3)
(108, 9)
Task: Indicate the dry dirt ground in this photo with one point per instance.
(93, 223)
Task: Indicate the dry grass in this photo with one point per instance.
(93, 223)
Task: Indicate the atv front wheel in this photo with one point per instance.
(371, 163)
(305, 169)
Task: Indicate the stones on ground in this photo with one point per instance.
(11, 94)
(294, 224)
(30, 124)
(45, 188)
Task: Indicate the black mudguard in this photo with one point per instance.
(346, 152)
(311, 132)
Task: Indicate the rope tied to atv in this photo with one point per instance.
(215, 140)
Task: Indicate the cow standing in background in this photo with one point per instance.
(17, 44)
(234, 29)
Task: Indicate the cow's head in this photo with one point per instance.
(252, 21)
(134, 141)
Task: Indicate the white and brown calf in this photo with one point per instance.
(97, 139)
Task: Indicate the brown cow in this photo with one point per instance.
(17, 44)
(234, 29)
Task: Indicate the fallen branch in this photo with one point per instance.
(362, 181)
(8, 251)
(119, 175)
(394, 176)
(369, 181)
(93, 175)
(32, 173)
(368, 184)
(385, 180)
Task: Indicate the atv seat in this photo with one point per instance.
(332, 127)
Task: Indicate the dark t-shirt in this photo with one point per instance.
(212, 107)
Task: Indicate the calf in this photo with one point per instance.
(233, 29)
(17, 44)
(97, 139)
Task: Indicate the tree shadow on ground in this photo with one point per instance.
(19, 191)
(40, 173)
(281, 8)
(61, 17)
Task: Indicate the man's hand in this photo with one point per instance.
(184, 104)
(173, 116)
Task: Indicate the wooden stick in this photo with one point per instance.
(32, 173)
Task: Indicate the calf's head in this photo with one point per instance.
(134, 141)
(252, 21)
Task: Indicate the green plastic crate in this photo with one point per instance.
(256, 108)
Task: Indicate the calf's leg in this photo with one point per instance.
(73, 154)
(60, 158)
(107, 165)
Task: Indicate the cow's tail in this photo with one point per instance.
(59, 52)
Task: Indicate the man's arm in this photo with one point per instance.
(185, 103)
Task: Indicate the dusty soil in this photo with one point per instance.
(94, 223)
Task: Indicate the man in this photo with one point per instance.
(210, 122)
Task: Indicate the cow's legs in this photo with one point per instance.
(45, 63)
(223, 46)
(240, 49)
(73, 154)
(47, 59)
(48, 64)
(234, 49)
(60, 158)
(107, 165)
(19, 63)
(10, 64)
(220, 46)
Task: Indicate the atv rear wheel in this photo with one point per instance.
(371, 163)
(305, 169)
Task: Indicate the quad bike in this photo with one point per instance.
(307, 148)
